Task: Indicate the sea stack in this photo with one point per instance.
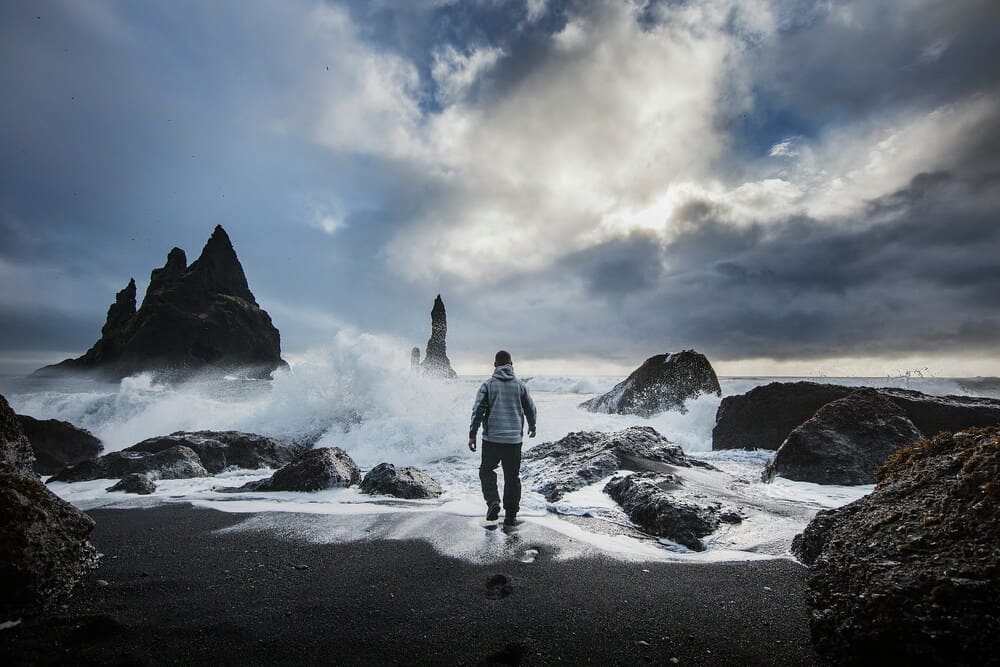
(436, 360)
(415, 357)
(201, 317)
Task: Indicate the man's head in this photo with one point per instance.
(502, 358)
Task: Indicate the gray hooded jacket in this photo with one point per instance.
(502, 404)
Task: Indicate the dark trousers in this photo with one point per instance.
(509, 457)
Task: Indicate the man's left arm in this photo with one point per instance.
(530, 412)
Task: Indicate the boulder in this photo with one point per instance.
(43, 539)
(763, 417)
(176, 462)
(647, 500)
(314, 470)
(134, 483)
(219, 450)
(585, 457)
(388, 480)
(909, 573)
(192, 319)
(16, 455)
(844, 442)
(663, 382)
(57, 444)
(436, 359)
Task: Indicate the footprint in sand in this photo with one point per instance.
(498, 586)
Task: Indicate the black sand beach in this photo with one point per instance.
(170, 590)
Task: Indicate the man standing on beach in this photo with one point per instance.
(502, 404)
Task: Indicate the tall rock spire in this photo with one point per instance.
(436, 360)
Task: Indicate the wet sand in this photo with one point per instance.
(172, 590)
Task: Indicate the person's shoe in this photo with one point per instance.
(510, 519)
(493, 513)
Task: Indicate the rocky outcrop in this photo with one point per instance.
(415, 358)
(910, 572)
(663, 382)
(314, 470)
(134, 483)
(388, 480)
(585, 457)
(176, 462)
(844, 442)
(646, 498)
(57, 444)
(194, 318)
(15, 450)
(218, 450)
(436, 359)
(763, 417)
(43, 539)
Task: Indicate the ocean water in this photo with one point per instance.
(359, 394)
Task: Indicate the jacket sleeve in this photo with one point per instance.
(528, 406)
(478, 411)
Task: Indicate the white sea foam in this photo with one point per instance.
(358, 393)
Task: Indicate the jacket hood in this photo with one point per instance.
(505, 372)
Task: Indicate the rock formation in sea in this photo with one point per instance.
(663, 382)
(194, 318)
(909, 573)
(43, 539)
(585, 457)
(763, 417)
(409, 482)
(176, 462)
(647, 500)
(436, 359)
(218, 450)
(134, 483)
(57, 444)
(844, 442)
(415, 358)
(313, 470)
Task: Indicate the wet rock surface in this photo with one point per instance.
(57, 444)
(134, 483)
(647, 500)
(663, 382)
(763, 417)
(314, 470)
(584, 457)
(177, 462)
(911, 572)
(192, 319)
(219, 450)
(43, 539)
(409, 482)
(844, 442)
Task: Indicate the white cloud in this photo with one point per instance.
(455, 73)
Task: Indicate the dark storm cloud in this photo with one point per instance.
(926, 280)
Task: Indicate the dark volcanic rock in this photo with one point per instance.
(219, 450)
(43, 539)
(58, 444)
(177, 462)
(388, 480)
(436, 360)
(844, 442)
(910, 574)
(585, 457)
(15, 450)
(763, 417)
(193, 318)
(647, 500)
(134, 483)
(314, 470)
(663, 382)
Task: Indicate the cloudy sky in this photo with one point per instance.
(788, 186)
